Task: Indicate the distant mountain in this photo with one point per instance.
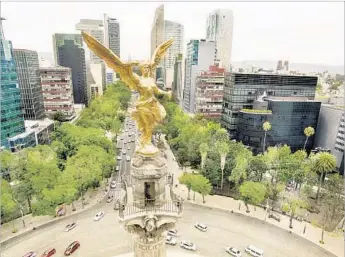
(302, 67)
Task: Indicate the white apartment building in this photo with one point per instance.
(199, 57)
(219, 29)
(112, 34)
(175, 31)
(96, 80)
(57, 90)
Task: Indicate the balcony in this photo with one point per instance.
(169, 208)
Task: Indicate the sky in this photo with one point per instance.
(301, 32)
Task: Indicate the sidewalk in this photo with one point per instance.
(91, 196)
(333, 242)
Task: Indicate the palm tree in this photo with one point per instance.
(223, 150)
(325, 163)
(203, 148)
(308, 132)
(266, 127)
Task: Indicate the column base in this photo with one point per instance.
(153, 247)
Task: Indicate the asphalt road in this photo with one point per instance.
(108, 238)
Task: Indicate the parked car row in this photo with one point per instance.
(51, 251)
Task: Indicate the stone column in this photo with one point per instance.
(155, 247)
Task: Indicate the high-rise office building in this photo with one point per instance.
(112, 34)
(59, 40)
(73, 56)
(288, 116)
(112, 37)
(12, 121)
(286, 65)
(209, 92)
(175, 31)
(95, 29)
(242, 89)
(199, 57)
(29, 83)
(57, 89)
(177, 87)
(279, 65)
(157, 30)
(330, 132)
(219, 29)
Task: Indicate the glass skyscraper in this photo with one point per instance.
(12, 121)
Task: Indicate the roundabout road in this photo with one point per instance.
(107, 238)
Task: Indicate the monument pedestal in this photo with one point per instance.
(149, 248)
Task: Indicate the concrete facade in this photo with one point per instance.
(57, 90)
(209, 92)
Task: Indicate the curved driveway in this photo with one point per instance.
(107, 238)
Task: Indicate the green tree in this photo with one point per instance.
(257, 168)
(187, 179)
(252, 193)
(240, 171)
(59, 116)
(333, 203)
(273, 192)
(8, 164)
(201, 185)
(293, 205)
(325, 162)
(266, 126)
(308, 132)
(8, 206)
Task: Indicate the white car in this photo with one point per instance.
(113, 184)
(201, 227)
(124, 151)
(170, 240)
(119, 158)
(99, 216)
(188, 245)
(128, 158)
(172, 232)
(70, 226)
(233, 251)
(254, 251)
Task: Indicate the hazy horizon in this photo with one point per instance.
(310, 32)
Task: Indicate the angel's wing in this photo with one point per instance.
(160, 52)
(112, 60)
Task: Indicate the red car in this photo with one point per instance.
(49, 252)
(30, 254)
(71, 248)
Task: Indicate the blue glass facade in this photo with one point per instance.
(288, 120)
(12, 121)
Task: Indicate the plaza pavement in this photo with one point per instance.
(334, 242)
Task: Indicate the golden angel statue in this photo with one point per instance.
(148, 111)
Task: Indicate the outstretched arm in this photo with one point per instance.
(162, 92)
